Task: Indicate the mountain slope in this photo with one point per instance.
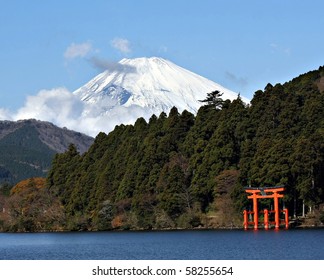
(28, 147)
(153, 83)
(144, 86)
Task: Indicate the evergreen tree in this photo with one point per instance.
(214, 99)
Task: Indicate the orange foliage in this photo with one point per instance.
(37, 182)
(117, 222)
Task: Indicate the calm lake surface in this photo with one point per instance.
(306, 244)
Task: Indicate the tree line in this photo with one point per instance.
(180, 170)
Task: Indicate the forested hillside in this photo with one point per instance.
(166, 173)
(27, 148)
(183, 171)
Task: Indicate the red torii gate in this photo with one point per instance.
(272, 192)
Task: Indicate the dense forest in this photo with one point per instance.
(23, 154)
(185, 171)
(27, 148)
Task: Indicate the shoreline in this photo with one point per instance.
(299, 227)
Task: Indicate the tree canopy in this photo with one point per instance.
(177, 170)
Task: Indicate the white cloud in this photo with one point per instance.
(123, 45)
(65, 109)
(57, 105)
(5, 114)
(77, 50)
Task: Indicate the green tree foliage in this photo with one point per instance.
(23, 154)
(173, 187)
(214, 99)
(173, 169)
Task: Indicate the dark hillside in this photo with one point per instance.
(28, 147)
(23, 153)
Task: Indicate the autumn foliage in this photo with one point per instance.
(30, 207)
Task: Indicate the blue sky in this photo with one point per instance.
(241, 45)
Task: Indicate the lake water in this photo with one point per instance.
(306, 244)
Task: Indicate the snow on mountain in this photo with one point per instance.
(141, 87)
(130, 89)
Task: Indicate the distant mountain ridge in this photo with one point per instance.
(27, 147)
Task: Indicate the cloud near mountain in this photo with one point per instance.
(125, 91)
(64, 109)
(57, 105)
(109, 65)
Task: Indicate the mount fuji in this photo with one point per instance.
(141, 87)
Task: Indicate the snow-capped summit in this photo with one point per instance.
(126, 91)
(141, 87)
